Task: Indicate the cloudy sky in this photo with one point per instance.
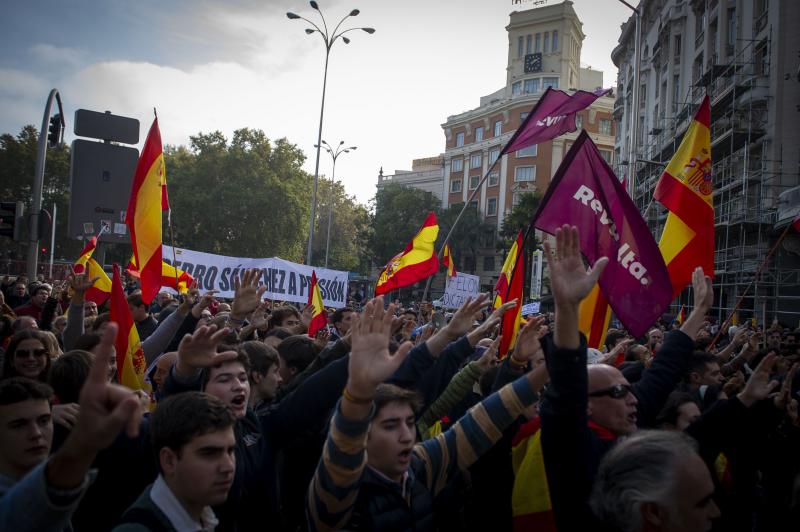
(241, 63)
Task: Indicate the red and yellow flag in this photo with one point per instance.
(101, 289)
(131, 363)
(416, 262)
(531, 506)
(171, 277)
(681, 315)
(594, 316)
(319, 318)
(447, 260)
(509, 286)
(685, 189)
(143, 218)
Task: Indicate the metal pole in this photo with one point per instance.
(634, 140)
(38, 183)
(316, 169)
(330, 212)
(53, 239)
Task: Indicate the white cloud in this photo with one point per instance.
(59, 55)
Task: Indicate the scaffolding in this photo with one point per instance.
(746, 176)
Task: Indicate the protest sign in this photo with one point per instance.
(531, 308)
(286, 281)
(459, 288)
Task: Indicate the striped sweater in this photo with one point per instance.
(335, 488)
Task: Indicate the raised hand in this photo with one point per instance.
(488, 326)
(703, 290)
(489, 357)
(370, 361)
(569, 279)
(759, 386)
(79, 283)
(464, 317)
(247, 294)
(784, 397)
(322, 337)
(204, 302)
(66, 415)
(528, 345)
(199, 350)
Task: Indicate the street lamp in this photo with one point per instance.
(329, 38)
(334, 153)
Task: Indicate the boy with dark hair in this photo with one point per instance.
(264, 376)
(342, 319)
(146, 324)
(194, 444)
(296, 353)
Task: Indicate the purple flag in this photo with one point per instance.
(586, 193)
(552, 116)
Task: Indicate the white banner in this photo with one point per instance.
(459, 289)
(286, 281)
(531, 308)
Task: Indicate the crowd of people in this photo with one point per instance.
(393, 417)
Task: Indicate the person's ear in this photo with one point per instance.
(255, 377)
(652, 514)
(168, 460)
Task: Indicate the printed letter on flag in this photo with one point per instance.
(509, 286)
(552, 116)
(586, 193)
(143, 218)
(319, 318)
(131, 363)
(416, 262)
(685, 189)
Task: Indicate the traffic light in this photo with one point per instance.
(55, 131)
(11, 221)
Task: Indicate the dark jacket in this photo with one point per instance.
(144, 516)
(146, 327)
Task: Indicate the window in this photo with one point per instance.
(516, 88)
(498, 128)
(493, 155)
(605, 126)
(469, 263)
(519, 46)
(525, 173)
(459, 139)
(475, 160)
(579, 121)
(527, 44)
(455, 185)
(474, 205)
(473, 181)
(676, 91)
(549, 82)
(530, 151)
(608, 156)
(676, 47)
(488, 262)
(731, 29)
(538, 47)
(531, 86)
(555, 41)
(491, 208)
(494, 179)
(457, 165)
(522, 117)
(546, 41)
(478, 134)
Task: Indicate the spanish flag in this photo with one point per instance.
(681, 315)
(101, 289)
(319, 320)
(143, 218)
(131, 364)
(594, 316)
(416, 262)
(447, 260)
(531, 506)
(509, 286)
(171, 277)
(685, 188)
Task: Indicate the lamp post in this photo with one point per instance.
(334, 153)
(329, 38)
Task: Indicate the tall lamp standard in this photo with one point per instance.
(329, 38)
(334, 153)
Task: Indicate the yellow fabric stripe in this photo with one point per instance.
(697, 138)
(147, 218)
(675, 237)
(531, 493)
(422, 246)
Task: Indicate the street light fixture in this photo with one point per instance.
(329, 38)
(334, 153)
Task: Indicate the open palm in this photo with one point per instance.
(569, 279)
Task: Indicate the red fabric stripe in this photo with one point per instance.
(684, 203)
(150, 277)
(540, 522)
(598, 319)
(694, 254)
(528, 428)
(96, 295)
(703, 114)
(409, 275)
(430, 221)
(318, 323)
(121, 314)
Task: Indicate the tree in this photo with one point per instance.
(246, 198)
(471, 234)
(399, 213)
(519, 218)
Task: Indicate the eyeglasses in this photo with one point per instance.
(618, 391)
(25, 353)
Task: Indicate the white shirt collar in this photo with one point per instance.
(166, 501)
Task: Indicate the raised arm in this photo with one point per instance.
(79, 283)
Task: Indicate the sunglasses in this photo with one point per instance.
(25, 353)
(618, 391)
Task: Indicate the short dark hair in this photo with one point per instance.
(69, 373)
(338, 314)
(261, 356)
(613, 336)
(241, 357)
(669, 412)
(87, 341)
(698, 361)
(390, 393)
(279, 332)
(630, 354)
(135, 299)
(184, 416)
(18, 389)
(18, 338)
(280, 314)
(100, 320)
(298, 351)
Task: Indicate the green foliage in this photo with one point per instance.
(519, 218)
(248, 197)
(350, 229)
(399, 213)
(17, 168)
(471, 234)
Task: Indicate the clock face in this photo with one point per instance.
(533, 63)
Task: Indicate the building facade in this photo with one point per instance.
(743, 54)
(544, 47)
(426, 174)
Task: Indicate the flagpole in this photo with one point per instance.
(746, 290)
